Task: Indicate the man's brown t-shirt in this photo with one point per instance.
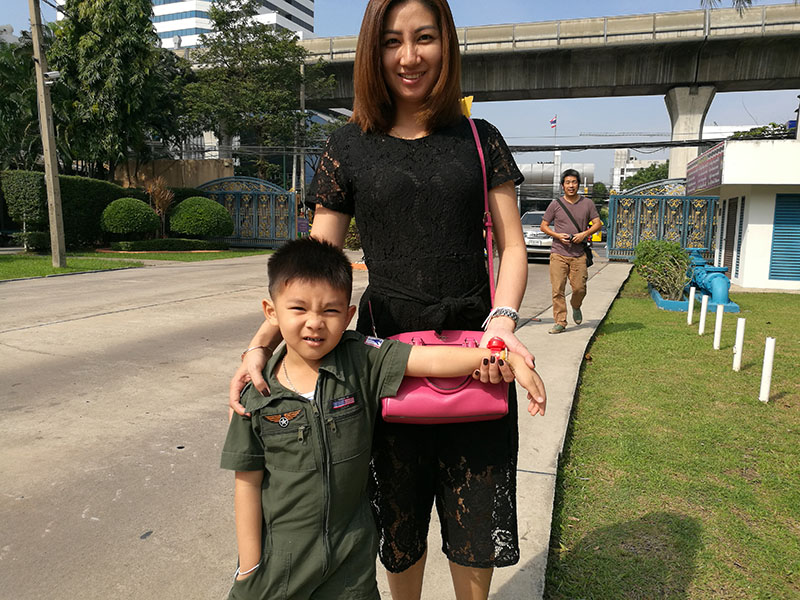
(582, 211)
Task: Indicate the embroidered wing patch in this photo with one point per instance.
(374, 342)
(284, 419)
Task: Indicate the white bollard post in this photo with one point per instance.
(690, 314)
(737, 348)
(718, 326)
(701, 328)
(766, 371)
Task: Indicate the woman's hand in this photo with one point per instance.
(250, 370)
(491, 371)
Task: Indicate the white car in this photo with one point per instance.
(537, 243)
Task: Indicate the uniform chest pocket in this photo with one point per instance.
(349, 430)
(288, 443)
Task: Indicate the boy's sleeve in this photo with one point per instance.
(387, 365)
(243, 450)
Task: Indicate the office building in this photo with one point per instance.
(180, 23)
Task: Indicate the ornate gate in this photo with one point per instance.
(264, 215)
(640, 216)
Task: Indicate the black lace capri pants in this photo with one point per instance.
(468, 469)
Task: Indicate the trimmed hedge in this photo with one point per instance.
(129, 215)
(168, 244)
(352, 240)
(202, 218)
(82, 203)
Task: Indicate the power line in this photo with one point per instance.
(632, 145)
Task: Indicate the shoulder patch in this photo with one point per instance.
(374, 342)
(284, 419)
(343, 402)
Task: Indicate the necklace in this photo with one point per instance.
(288, 379)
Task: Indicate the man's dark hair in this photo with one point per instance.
(310, 260)
(570, 173)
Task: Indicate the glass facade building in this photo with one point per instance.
(179, 23)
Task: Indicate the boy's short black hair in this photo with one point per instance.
(570, 173)
(311, 260)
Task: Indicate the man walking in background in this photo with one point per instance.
(566, 220)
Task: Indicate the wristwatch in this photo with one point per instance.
(502, 311)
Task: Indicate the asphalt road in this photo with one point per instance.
(112, 417)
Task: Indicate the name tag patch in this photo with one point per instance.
(374, 342)
(343, 402)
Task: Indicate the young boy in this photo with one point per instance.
(303, 522)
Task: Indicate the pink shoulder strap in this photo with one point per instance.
(487, 215)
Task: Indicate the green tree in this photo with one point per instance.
(646, 175)
(249, 78)
(773, 131)
(20, 138)
(599, 191)
(122, 84)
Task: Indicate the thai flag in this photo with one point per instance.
(553, 122)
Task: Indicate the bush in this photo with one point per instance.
(664, 265)
(352, 240)
(167, 245)
(82, 203)
(129, 216)
(202, 218)
(36, 241)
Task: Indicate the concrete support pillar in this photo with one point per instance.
(687, 107)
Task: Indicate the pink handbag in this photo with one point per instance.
(430, 400)
(444, 399)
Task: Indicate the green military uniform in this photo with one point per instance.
(319, 538)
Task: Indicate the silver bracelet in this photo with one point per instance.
(240, 573)
(270, 348)
(501, 311)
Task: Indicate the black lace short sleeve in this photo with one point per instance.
(500, 164)
(331, 186)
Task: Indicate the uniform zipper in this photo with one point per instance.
(326, 480)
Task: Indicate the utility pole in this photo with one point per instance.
(305, 137)
(48, 138)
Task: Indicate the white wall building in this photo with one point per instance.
(626, 166)
(7, 34)
(184, 21)
(758, 214)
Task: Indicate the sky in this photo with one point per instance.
(528, 122)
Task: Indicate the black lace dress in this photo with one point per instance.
(419, 209)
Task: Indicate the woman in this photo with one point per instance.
(406, 166)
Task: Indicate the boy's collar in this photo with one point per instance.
(329, 364)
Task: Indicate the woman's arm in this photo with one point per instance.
(512, 276)
(330, 226)
(247, 503)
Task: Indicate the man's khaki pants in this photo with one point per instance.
(561, 269)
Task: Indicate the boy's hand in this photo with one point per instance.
(529, 379)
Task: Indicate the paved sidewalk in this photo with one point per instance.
(558, 360)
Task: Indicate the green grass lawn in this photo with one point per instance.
(179, 256)
(18, 266)
(676, 482)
